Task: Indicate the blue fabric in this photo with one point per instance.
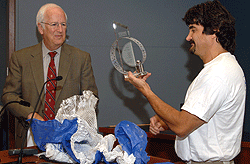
(133, 140)
(52, 131)
(99, 157)
(131, 137)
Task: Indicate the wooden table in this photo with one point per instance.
(6, 158)
(162, 145)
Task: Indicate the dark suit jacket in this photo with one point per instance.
(26, 77)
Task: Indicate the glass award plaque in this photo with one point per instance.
(127, 53)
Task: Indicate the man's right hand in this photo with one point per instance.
(139, 82)
(36, 116)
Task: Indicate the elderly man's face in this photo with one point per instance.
(53, 36)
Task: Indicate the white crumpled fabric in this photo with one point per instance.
(86, 141)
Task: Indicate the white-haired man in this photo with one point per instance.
(29, 69)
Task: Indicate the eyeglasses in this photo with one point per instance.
(56, 24)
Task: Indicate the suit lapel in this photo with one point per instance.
(64, 66)
(36, 63)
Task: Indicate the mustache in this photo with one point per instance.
(191, 41)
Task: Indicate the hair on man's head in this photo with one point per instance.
(215, 19)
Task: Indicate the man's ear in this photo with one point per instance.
(214, 35)
(40, 28)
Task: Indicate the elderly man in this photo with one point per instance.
(31, 67)
(209, 126)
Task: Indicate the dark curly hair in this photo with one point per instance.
(215, 19)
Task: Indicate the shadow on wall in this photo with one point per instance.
(246, 136)
(136, 103)
(194, 64)
(38, 35)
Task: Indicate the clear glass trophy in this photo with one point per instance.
(127, 53)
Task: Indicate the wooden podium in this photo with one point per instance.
(6, 158)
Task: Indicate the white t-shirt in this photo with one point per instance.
(217, 96)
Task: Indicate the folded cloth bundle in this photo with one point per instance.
(72, 136)
(133, 140)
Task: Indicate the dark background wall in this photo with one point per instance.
(157, 24)
(3, 35)
(159, 27)
(240, 10)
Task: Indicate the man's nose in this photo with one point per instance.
(59, 27)
(189, 37)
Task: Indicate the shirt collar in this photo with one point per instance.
(45, 50)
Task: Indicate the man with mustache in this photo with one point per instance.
(31, 67)
(209, 125)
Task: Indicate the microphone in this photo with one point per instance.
(21, 152)
(58, 78)
(21, 102)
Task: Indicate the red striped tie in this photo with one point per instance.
(49, 110)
